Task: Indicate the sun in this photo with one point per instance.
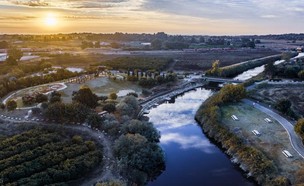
(50, 20)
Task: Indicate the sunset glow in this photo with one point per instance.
(50, 20)
(177, 17)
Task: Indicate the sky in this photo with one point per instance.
(202, 17)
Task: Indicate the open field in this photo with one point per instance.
(101, 86)
(185, 60)
(271, 94)
(273, 138)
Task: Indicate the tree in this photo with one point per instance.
(145, 129)
(301, 74)
(132, 94)
(3, 44)
(136, 153)
(156, 44)
(215, 69)
(85, 97)
(286, 56)
(94, 120)
(11, 105)
(55, 97)
(283, 105)
(39, 98)
(109, 108)
(2, 106)
(299, 127)
(270, 69)
(232, 93)
(14, 56)
(113, 96)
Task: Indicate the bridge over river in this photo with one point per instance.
(167, 95)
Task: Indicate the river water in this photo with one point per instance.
(191, 159)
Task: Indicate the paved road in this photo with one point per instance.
(295, 140)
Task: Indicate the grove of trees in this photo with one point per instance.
(44, 156)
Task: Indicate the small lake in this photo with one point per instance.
(191, 159)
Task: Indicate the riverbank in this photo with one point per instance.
(252, 160)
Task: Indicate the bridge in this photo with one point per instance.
(221, 80)
(167, 95)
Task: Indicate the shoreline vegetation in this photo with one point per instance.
(251, 160)
(235, 69)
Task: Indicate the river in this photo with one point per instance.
(191, 159)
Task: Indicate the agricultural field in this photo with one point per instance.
(273, 138)
(45, 156)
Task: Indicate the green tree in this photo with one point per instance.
(145, 129)
(55, 97)
(283, 105)
(14, 56)
(299, 127)
(2, 106)
(109, 108)
(113, 96)
(39, 98)
(85, 97)
(11, 105)
(156, 44)
(269, 69)
(94, 120)
(301, 74)
(232, 93)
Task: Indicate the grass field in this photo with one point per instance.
(273, 138)
(101, 86)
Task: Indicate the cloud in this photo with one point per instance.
(67, 4)
(32, 3)
(17, 18)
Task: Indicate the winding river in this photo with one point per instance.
(191, 159)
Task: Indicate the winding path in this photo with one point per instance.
(295, 140)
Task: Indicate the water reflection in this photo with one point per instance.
(187, 142)
(191, 159)
(172, 116)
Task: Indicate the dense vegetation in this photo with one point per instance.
(12, 83)
(209, 117)
(46, 156)
(299, 128)
(233, 70)
(142, 63)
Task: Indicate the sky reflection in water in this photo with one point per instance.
(173, 120)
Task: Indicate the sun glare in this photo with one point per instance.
(50, 20)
